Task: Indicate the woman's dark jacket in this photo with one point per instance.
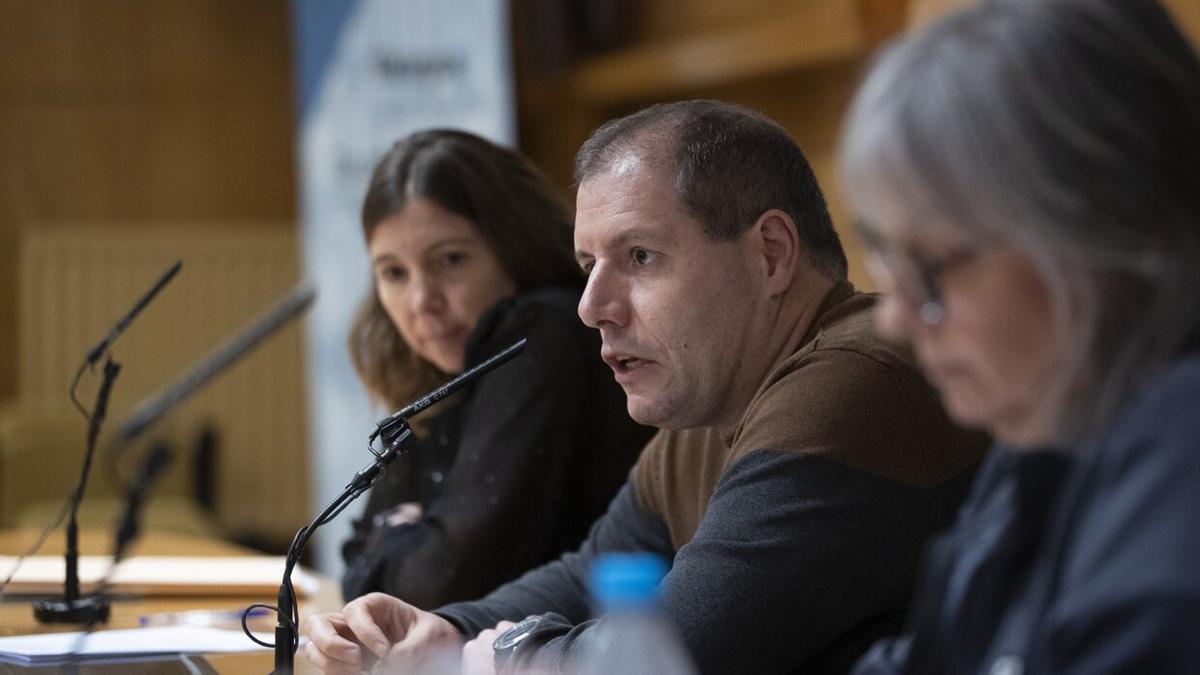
(512, 473)
(1081, 563)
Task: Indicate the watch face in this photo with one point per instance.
(513, 636)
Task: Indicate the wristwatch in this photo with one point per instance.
(506, 643)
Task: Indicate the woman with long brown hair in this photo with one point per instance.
(471, 249)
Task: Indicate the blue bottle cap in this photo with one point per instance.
(627, 579)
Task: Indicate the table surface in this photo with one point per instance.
(16, 615)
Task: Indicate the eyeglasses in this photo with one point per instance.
(916, 278)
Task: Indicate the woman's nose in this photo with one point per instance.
(426, 294)
(894, 316)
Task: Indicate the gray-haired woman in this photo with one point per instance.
(1027, 173)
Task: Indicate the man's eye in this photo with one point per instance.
(453, 258)
(641, 257)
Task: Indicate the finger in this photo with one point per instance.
(425, 643)
(361, 620)
(478, 657)
(328, 665)
(333, 638)
(504, 625)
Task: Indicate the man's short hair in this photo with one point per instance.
(731, 164)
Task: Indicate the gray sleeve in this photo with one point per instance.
(561, 586)
(799, 563)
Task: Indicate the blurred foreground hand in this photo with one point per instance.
(380, 633)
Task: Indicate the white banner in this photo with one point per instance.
(369, 72)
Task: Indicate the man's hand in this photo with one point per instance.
(478, 657)
(378, 630)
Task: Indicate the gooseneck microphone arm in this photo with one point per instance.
(95, 609)
(102, 346)
(73, 608)
(392, 425)
(94, 354)
(395, 435)
(155, 462)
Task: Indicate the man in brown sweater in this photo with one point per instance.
(803, 461)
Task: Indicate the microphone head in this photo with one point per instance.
(280, 314)
(159, 460)
(499, 358)
(95, 353)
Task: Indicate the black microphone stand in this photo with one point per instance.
(155, 462)
(395, 435)
(73, 608)
(153, 465)
(94, 609)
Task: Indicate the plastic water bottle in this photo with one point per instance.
(632, 636)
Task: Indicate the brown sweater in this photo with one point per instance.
(845, 395)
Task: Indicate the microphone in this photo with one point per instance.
(94, 354)
(148, 411)
(156, 461)
(73, 608)
(395, 434)
(388, 426)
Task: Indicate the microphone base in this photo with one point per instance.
(88, 610)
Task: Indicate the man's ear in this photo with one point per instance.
(775, 231)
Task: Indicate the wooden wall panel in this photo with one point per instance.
(77, 280)
(559, 110)
(157, 116)
(667, 19)
(144, 112)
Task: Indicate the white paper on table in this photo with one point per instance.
(161, 575)
(131, 642)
